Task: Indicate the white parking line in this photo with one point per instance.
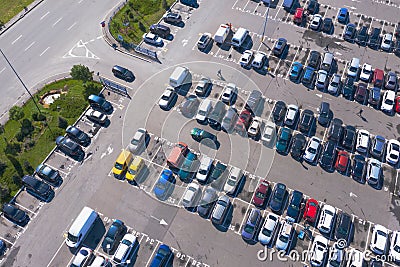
(366, 241)
(29, 46)
(13, 42)
(19, 205)
(44, 51)
(54, 24)
(55, 254)
(42, 17)
(152, 253)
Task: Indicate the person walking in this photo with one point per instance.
(360, 112)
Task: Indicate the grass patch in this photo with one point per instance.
(35, 146)
(10, 8)
(135, 18)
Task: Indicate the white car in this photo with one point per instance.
(393, 151)
(83, 256)
(388, 101)
(355, 258)
(322, 80)
(374, 170)
(204, 169)
(269, 132)
(267, 232)
(100, 261)
(366, 72)
(229, 94)
(312, 149)
(379, 240)
(394, 250)
(334, 84)
(191, 195)
(291, 114)
(362, 141)
(259, 60)
(326, 219)
(336, 257)
(386, 43)
(316, 22)
(254, 128)
(127, 249)
(167, 97)
(319, 248)
(138, 141)
(153, 39)
(285, 235)
(96, 116)
(246, 58)
(233, 180)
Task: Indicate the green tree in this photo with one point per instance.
(2, 130)
(91, 89)
(142, 27)
(3, 167)
(16, 113)
(12, 148)
(27, 127)
(28, 167)
(62, 123)
(165, 5)
(4, 192)
(80, 72)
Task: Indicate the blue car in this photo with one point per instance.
(164, 185)
(278, 198)
(308, 78)
(284, 138)
(3, 247)
(343, 15)
(295, 71)
(250, 229)
(163, 257)
(188, 167)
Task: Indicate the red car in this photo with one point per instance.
(342, 161)
(311, 211)
(298, 15)
(262, 194)
(243, 122)
(397, 106)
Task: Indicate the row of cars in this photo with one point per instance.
(158, 31)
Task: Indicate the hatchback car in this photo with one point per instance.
(96, 116)
(279, 47)
(278, 197)
(259, 60)
(316, 22)
(250, 228)
(295, 205)
(164, 185)
(343, 15)
(246, 58)
(203, 87)
(279, 111)
(204, 41)
(123, 73)
(393, 151)
(349, 33)
(291, 115)
(359, 168)
(152, 39)
(312, 150)
(262, 194)
(207, 202)
(283, 142)
(342, 162)
(160, 30)
(173, 18)
(311, 211)
(77, 135)
(191, 196)
(374, 172)
(15, 214)
(296, 71)
(388, 99)
(229, 94)
(362, 144)
(49, 174)
(391, 81)
(298, 146)
(379, 240)
(138, 141)
(269, 229)
(167, 98)
(126, 250)
(328, 156)
(113, 236)
(308, 78)
(378, 146)
(335, 84)
(335, 132)
(69, 147)
(307, 120)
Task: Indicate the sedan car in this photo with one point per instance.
(342, 162)
(113, 236)
(379, 240)
(343, 15)
(375, 38)
(279, 47)
(306, 121)
(191, 196)
(344, 226)
(269, 229)
(348, 88)
(295, 205)
(349, 137)
(279, 111)
(126, 250)
(366, 73)
(322, 80)
(298, 146)
(269, 133)
(229, 120)
(328, 156)
(291, 115)
(311, 211)
(204, 41)
(250, 228)
(361, 94)
(312, 150)
(335, 84)
(69, 147)
(362, 145)
(392, 152)
(164, 185)
(316, 22)
(207, 202)
(319, 249)
(246, 58)
(359, 168)
(262, 194)
(378, 146)
(335, 132)
(314, 59)
(388, 99)
(203, 87)
(324, 114)
(374, 172)
(283, 142)
(15, 214)
(374, 96)
(295, 72)
(152, 39)
(49, 174)
(387, 40)
(285, 235)
(229, 94)
(167, 98)
(327, 26)
(278, 197)
(391, 81)
(78, 135)
(362, 36)
(254, 128)
(138, 141)
(83, 256)
(163, 257)
(96, 116)
(349, 33)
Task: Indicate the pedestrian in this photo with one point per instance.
(219, 73)
(360, 112)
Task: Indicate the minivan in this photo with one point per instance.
(220, 211)
(353, 67)
(216, 116)
(122, 163)
(239, 37)
(204, 111)
(100, 104)
(327, 63)
(378, 77)
(134, 170)
(37, 188)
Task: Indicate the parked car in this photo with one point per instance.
(362, 36)
(254, 128)
(375, 38)
(164, 185)
(243, 122)
(374, 96)
(343, 15)
(207, 202)
(278, 197)
(374, 172)
(83, 256)
(191, 196)
(119, 72)
(322, 80)
(314, 60)
(49, 174)
(394, 250)
(126, 250)
(234, 178)
(348, 88)
(204, 169)
(163, 257)
(393, 151)
(362, 145)
(262, 194)
(279, 47)
(69, 147)
(335, 132)
(313, 7)
(349, 137)
(259, 60)
(306, 121)
(308, 78)
(344, 227)
(37, 188)
(298, 146)
(113, 236)
(328, 155)
(324, 114)
(327, 26)
(295, 205)
(160, 30)
(361, 94)
(3, 247)
(295, 72)
(279, 111)
(253, 101)
(319, 250)
(359, 168)
(378, 146)
(269, 133)
(229, 94)
(387, 40)
(167, 98)
(299, 15)
(229, 120)
(316, 22)
(152, 39)
(173, 18)
(312, 150)
(78, 135)
(342, 162)
(203, 87)
(250, 228)
(269, 229)
(283, 142)
(350, 32)
(397, 104)
(138, 141)
(96, 116)
(200, 135)
(204, 41)
(388, 99)
(311, 211)
(246, 58)
(379, 240)
(285, 235)
(291, 115)
(391, 81)
(366, 73)
(335, 84)
(15, 214)
(189, 167)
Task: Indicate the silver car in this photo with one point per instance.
(391, 81)
(335, 84)
(138, 141)
(229, 120)
(322, 80)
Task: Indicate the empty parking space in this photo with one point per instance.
(362, 230)
(240, 209)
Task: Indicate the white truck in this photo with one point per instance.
(81, 227)
(179, 76)
(222, 33)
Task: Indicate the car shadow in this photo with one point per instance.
(170, 37)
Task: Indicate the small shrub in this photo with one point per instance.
(16, 113)
(3, 167)
(62, 123)
(80, 72)
(20, 136)
(2, 130)
(130, 15)
(28, 167)
(91, 89)
(27, 127)
(4, 192)
(38, 116)
(17, 179)
(12, 148)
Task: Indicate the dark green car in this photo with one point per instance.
(200, 134)
(282, 145)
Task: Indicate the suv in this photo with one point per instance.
(335, 130)
(306, 121)
(38, 188)
(229, 94)
(160, 30)
(123, 73)
(126, 250)
(78, 135)
(362, 36)
(314, 60)
(253, 101)
(204, 40)
(69, 147)
(250, 229)
(172, 18)
(100, 103)
(326, 219)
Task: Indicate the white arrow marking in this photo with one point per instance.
(337, 53)
(319, 95)
(338, 43)
(110, 149)
(353, 195)
(103, 155)
(162, 221)
(185, 42)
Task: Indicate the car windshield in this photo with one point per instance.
(396, 248)
(72, 238)
(118, 166)
(202, 113)
(260, 195)
(203, 171)
(134, 142)
(161, 186)
(312, 150)
(203, 38)
(389, 101)
(267, 232)
(249, 229)
(133, 172)
(165, 97)
(231, 182)
(284, 239)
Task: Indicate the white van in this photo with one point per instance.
(239, 37)
(354, 67)
(222, 33)
(327, 63)
(204, 110)
(179, 76)
(81, 227)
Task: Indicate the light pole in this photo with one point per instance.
(265, 24)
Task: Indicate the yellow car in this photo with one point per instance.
(122, 163)
(134, 169)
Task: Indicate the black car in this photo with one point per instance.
(280, 47)
(306, 121)
(335, 130)
(78, 135)
(207, 202)
(298, 146)
(313, 7)
(361, 94)
(37, 188)
(48, 174)
(327, 25)
(100, 103)
(69, 147)
(349, 34)
(160, 30)
(123, 73)
(375, 38)
(348, 88)
(173, 18)
(278, 197)
(362, 36)
(396, 48)
(359, 168)
(328, 156)
(324, 115)
(349, 137)
(344, 227)
(253, 101)
(295, 204)
(374, 96)
(314, 60)
(15, 214)
(114, 235)
(279, 111)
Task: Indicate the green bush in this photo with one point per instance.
(4, 192)
(81, 72)
(12, 148)
(91, 89)
(27, 127)
(20, 136)
(36, 116)
(28, 167)
(16, 113)
(62, 123)
(17, 179)
(3, 167)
